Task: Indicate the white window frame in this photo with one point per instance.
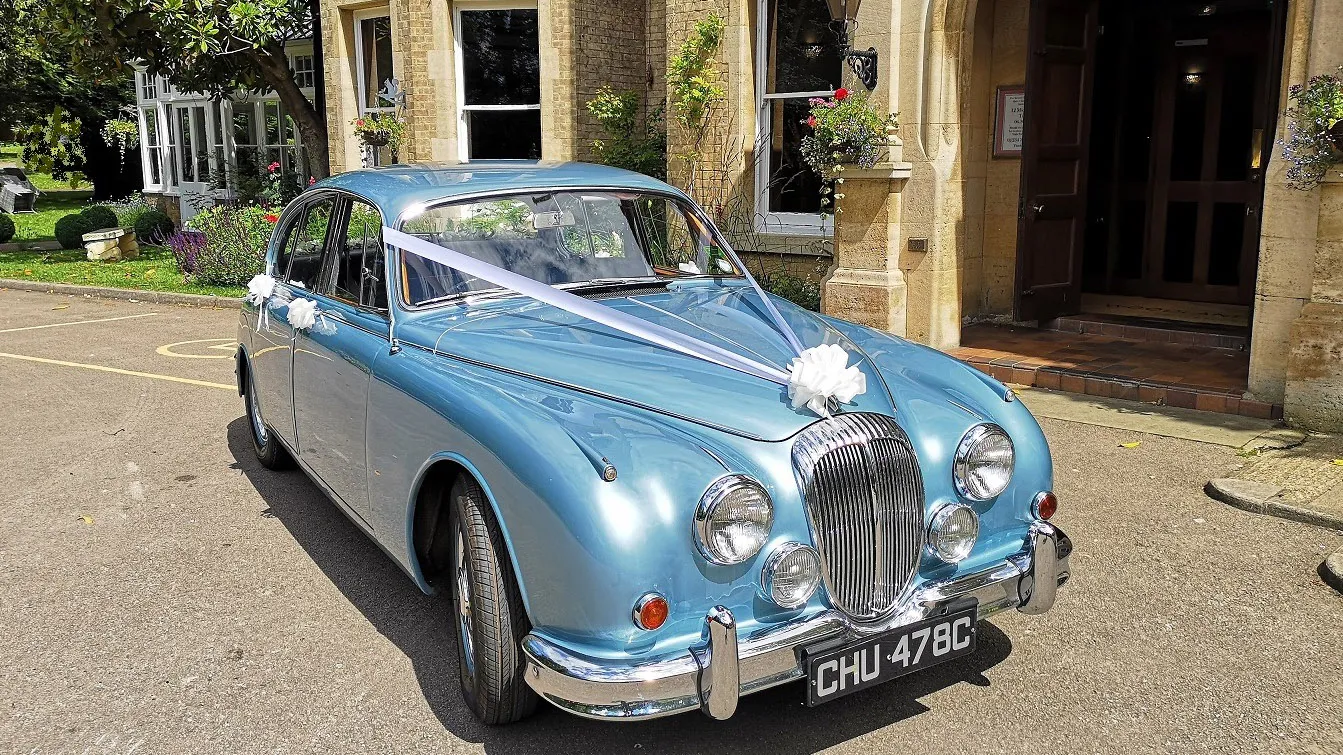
(310, 71)
(147, 86)
(463, 127)
(784, 223)
(152, 154)
(360, 84)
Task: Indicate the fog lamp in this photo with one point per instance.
(952, 532)
(791, 575)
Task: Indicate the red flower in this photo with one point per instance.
(311, 180)
(359, 123)
(811, 121)
(272, 218)
(841, 93)
(273, 167)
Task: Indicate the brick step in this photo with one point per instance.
(1153, 330)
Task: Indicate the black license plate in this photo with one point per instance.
(834, 673)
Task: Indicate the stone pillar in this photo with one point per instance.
(866, 284)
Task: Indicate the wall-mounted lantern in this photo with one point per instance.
(863, 62)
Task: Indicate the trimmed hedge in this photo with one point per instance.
(70, 230)
(153, 227)
(6, 228)
(100, 217)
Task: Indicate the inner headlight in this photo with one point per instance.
(791, 574)
(733, 520)
(984, 462)
(952, 532)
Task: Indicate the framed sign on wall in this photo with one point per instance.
(1009, 123)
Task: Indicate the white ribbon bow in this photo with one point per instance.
(822, 373)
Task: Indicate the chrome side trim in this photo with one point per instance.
(702, 677)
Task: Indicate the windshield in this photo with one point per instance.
(565, 239)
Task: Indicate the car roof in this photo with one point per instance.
(396, 188)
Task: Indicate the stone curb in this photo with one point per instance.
(1262, 498)
(30, 246)
(151, 297)
(1332, 571)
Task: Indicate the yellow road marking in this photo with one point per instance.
(132, 373)
(222, 344)
(77, 322)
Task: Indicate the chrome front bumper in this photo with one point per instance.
(714, 674)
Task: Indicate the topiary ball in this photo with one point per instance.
(70, 230)
(100, 217)
(6, 228)
(153, 227)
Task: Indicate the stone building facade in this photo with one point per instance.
(1053, 156)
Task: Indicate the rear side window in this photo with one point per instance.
(359, 259)
(309, 239)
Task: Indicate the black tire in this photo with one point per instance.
(269, 452)
(491, 621)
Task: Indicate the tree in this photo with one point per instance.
(202, 46)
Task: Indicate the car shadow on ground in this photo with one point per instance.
(774, 721)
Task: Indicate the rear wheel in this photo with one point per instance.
(487, 612)
(268, 449)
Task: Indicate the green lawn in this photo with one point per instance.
(154, 270)
(51, 206)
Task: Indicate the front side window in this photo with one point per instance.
(308, 242)
(500, 71)
(359, 259)
(566, 239)
(799, 58)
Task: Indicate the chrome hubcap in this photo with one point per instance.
(464, 607)
(253, 409)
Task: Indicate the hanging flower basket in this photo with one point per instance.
(376, 138)
(1314, 144)
(845, 130)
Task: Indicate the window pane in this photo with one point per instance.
(375, 42)
(501, 57)
(359, 267)
(792, 187)
(184, 123)
(307, 262)
(155, 176)
(202, 151)
(272, 112)
(804, 48)
(151, 128)
(504, 134)
(244, 124)
(563, 238)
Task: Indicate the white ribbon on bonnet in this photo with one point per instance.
(815, 377)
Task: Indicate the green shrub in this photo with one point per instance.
(799, 291)
(632, 143)
(70, 230)
(235, 244)
(153, 227)
(100, 217)
(6, 228)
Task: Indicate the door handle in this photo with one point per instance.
(1038, 208)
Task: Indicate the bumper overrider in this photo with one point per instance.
(714, 674)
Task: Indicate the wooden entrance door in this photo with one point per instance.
(1195, 125)
(1052, 214)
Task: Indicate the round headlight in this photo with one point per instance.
(952, 533)
(984, 462)
(791, 575)
(733, 520)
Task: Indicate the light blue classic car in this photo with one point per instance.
(554, 393)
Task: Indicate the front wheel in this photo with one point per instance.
(268, 449)
(487, 612)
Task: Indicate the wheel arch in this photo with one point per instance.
(427, 522)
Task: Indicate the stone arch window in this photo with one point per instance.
(798, 57)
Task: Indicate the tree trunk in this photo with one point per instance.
(274, 66)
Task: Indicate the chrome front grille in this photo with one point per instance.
(864, 499)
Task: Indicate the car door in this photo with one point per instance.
(272, 347)
(333, 360)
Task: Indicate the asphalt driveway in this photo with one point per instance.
(162, 593)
